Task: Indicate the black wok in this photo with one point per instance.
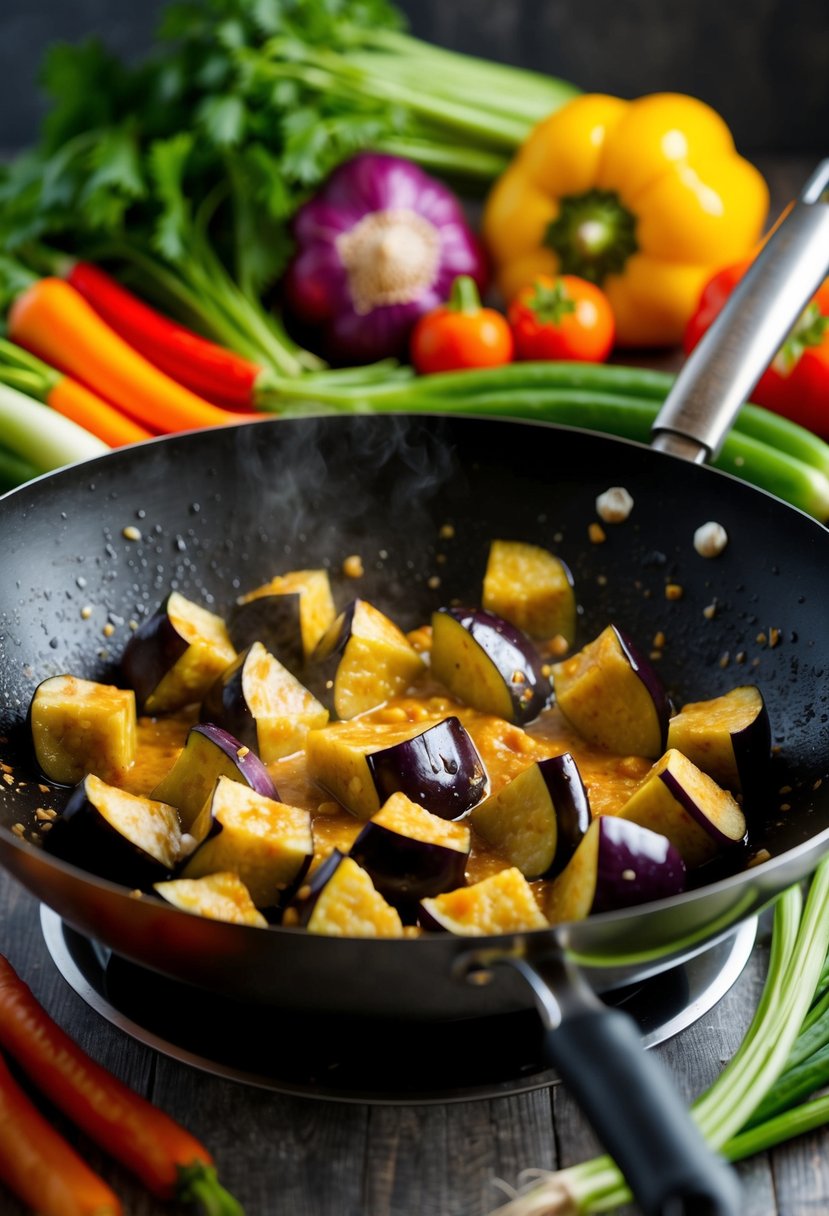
(221, 511)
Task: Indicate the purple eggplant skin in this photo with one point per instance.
(273, 620)
(634, 866)
(752, 752)
(82, 836)
(151, 651)
(321, 671)
(689, 804)
(651, 679)
(405, 870)
(510, 651)
(188, 792)
(572, 805)
(440, 769)
(333, 642)
(317, 883)
(250, 767)
(225, 703)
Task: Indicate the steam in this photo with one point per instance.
(356, 484)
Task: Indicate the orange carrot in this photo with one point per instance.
(74, 400)
(40, 1167)
(54, 321)
(167, 1158)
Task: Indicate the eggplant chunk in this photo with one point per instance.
(728, 737)
(502, 903)
(117, 835)
(342, 901)
(613, 696)
(539, 818)
(288, 615)
(411, 854)
(681, 802)
(221, 896)
(363, 764)
(173, 658)
(488, 663)
(263, 705)
(617, 865)
(363, 659)
(80, 727)
(268, 844)
(532, 588)
(210, 752)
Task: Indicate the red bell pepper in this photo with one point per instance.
(796, 383)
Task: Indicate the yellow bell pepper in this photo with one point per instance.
(647, 198)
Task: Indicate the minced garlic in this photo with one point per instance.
(710, 539)
(614, 505)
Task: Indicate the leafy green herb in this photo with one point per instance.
(185, 169)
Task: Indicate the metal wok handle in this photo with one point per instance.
(628, 1098)
(724, 367)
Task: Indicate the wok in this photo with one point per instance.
(222, 510)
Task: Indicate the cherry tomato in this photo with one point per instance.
(461, 333)
(562, 317)
(796, 383)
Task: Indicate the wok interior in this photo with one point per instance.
(420, 499)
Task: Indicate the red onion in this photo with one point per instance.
(379, 245)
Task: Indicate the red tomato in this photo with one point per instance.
(562, 317)
(460, 334)
(796, 383)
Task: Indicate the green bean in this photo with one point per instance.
(781, 433)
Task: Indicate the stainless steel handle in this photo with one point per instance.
(724, 367)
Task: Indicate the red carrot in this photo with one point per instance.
(40, 1167)
(52, 320)
(213, 372)
(168, 1159)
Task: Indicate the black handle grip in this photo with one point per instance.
(639, 1116)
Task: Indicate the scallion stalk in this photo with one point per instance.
(41, 437)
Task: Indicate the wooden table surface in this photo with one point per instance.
(309, 1157)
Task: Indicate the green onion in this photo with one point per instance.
(40, 437)
(724, 1113)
